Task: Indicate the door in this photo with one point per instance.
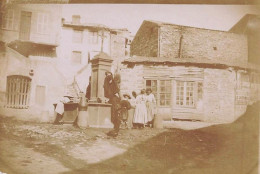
(25, 25)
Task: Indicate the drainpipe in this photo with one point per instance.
(180, 44)
(159, 41)
(180, 47)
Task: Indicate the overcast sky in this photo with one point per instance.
(130, 16)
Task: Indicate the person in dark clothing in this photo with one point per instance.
(88, 89)
(108, 83)
(125, 106)
(112, 91)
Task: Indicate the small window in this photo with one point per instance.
(76, 57)
(93, 38)
(76, 19)
(42, 23)
(77, 36)
(8, 20)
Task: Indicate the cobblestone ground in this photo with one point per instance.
(29, 147)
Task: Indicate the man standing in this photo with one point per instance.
(112, 91)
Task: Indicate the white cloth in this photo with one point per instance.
(151, 106)
(140, 115)
(60, 105)
(133, 102)
(60, 108)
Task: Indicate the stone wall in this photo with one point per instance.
(195, 43)
(169, 41)
(202, 43)
(145, 42)
(214, 45)
(218, 91)
(219, 95)
(132, 79)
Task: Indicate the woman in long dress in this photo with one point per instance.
(151, 107)
(140, 116)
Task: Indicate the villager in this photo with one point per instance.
(108, 92)
(131, 111)
(112, 91)
(88, 89)
(151, 107)
(60, 109)
(125, 107)
(140, 116)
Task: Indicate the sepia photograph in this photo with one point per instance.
(135, 88)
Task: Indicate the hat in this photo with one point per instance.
(126, 95)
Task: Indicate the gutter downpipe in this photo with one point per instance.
(159, 41)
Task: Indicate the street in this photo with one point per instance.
(29, 147)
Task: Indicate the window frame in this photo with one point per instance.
(158, 93)
(194, 95)
(92, 38)
(6, 20)
(18, 94)
(42, 26)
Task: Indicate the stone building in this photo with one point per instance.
(44, 57)
(29, 79)
(81, 41)
(195, 73)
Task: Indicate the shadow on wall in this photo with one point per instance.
(228, 148)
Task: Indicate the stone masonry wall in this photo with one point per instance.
(202, 43)
(131, 79)
(169, 41)
(145, 42)
(219, 95)
(215, 45)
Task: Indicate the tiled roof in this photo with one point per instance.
(200, 62)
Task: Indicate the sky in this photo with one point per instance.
(131, 16)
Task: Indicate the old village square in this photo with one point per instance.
(67, 103)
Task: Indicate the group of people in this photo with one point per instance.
(137, 111)
(144, 106)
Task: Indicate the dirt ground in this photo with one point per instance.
(29, 148)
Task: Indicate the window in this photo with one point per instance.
(8, 20)
(76, 57)
(161, 90)
(185, 93)
(76, 19)
(93, 37)
(165, 92)
(18, 91)
(77, 36)
(42, 23)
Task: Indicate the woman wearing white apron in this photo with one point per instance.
(140, 116)
(151, 107)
